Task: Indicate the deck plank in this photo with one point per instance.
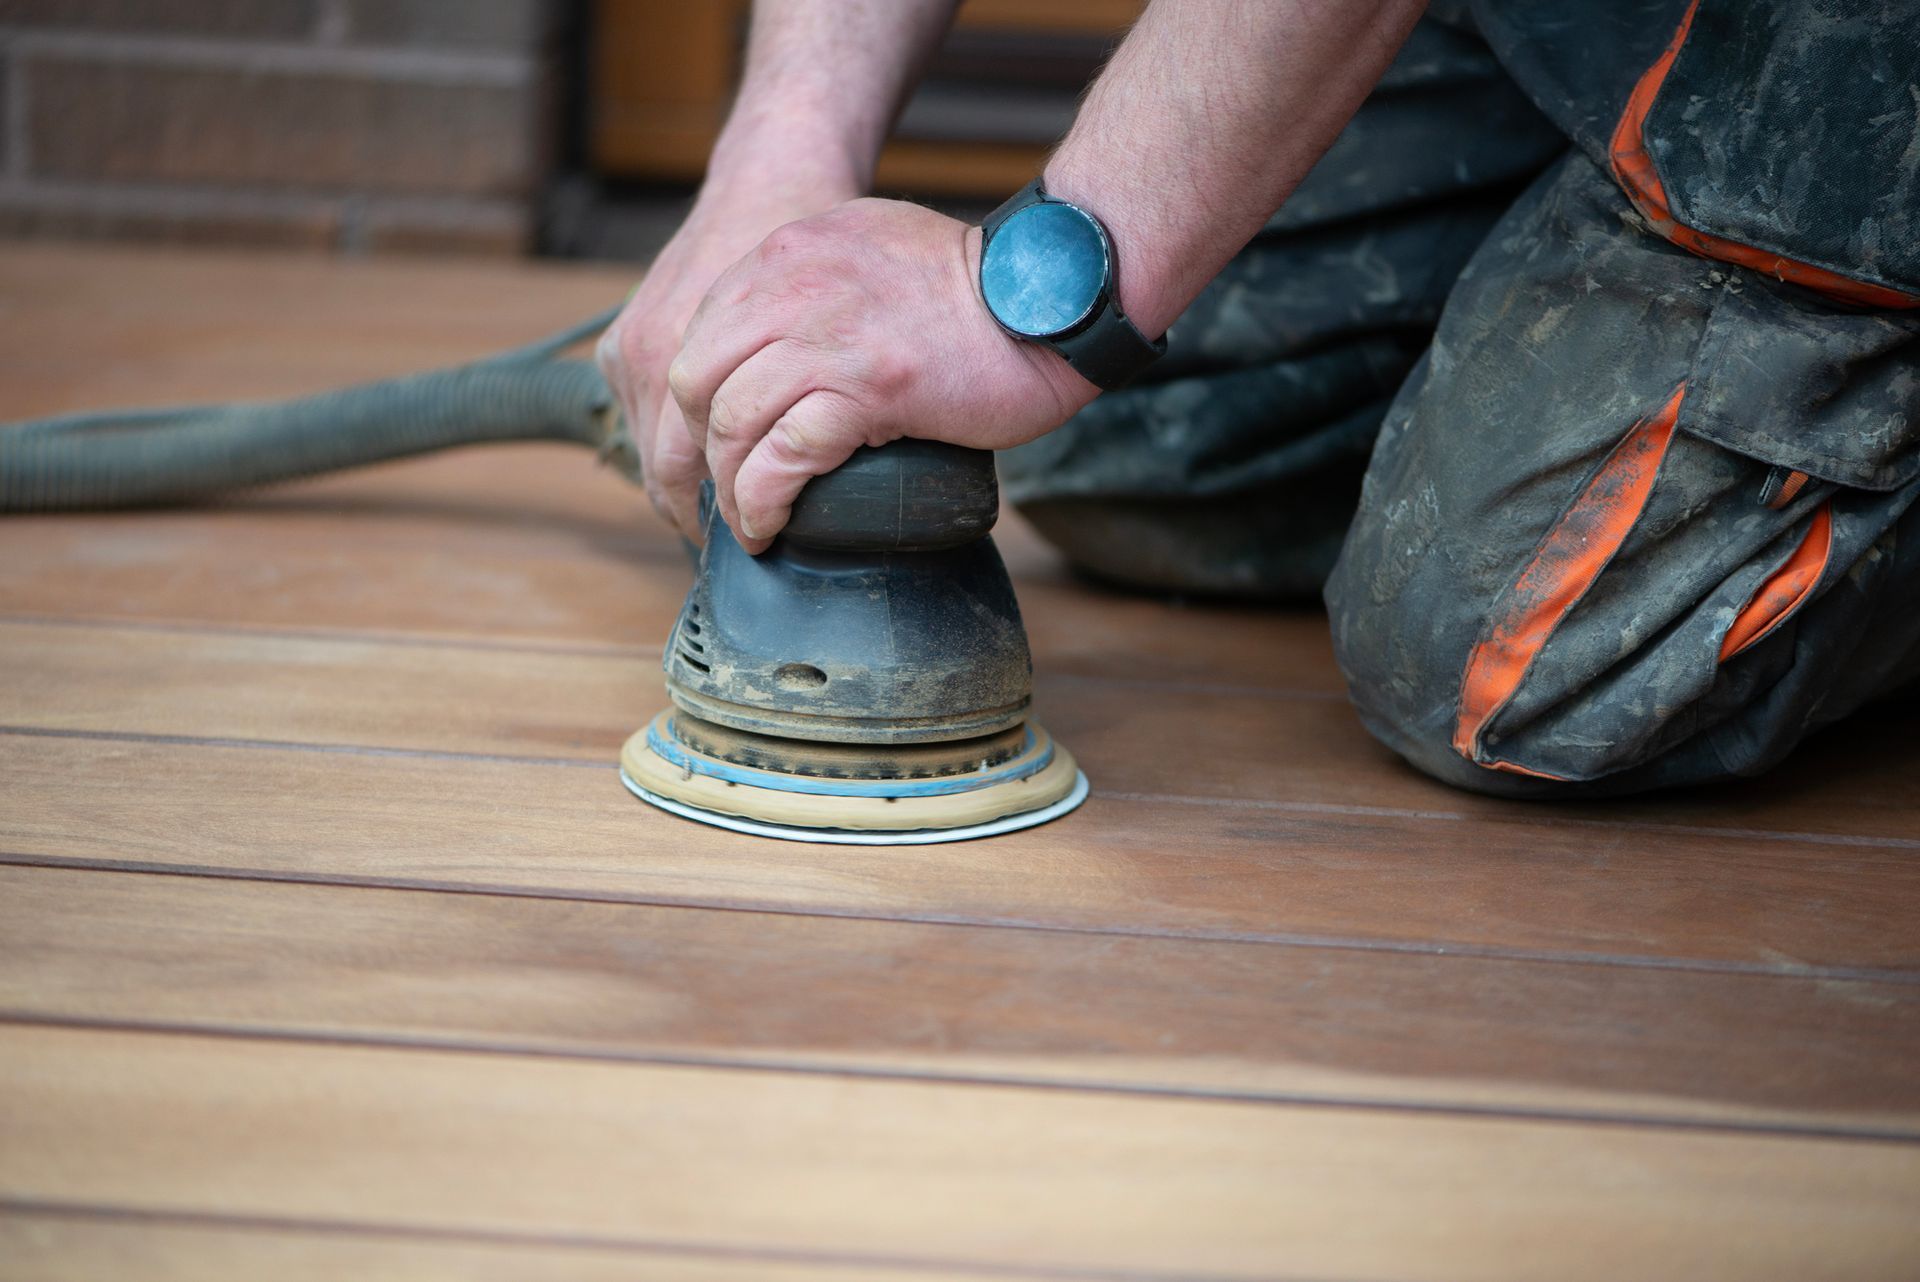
(934, 1001)
(1207, 871)
(936, 1173)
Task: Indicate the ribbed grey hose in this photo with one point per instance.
(139, 458)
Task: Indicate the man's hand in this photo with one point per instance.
(822, 82)
(852, 328)
(636, 349)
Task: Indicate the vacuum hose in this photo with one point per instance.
(139, 458)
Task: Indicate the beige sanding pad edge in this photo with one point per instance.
(1051, 784)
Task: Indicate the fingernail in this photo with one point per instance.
(747, 530)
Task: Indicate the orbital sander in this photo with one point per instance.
(867, 679)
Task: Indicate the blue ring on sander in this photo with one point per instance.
(1019, 768)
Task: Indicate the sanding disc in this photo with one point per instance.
(1040, 783)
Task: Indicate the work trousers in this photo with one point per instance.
(1607, 463)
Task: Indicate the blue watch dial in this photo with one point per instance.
(1043, 269)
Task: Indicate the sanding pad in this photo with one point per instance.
(1037, 783)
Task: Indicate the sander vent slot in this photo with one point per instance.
(690, 650)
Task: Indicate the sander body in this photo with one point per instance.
(867, 679)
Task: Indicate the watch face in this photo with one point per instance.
(1044, 268)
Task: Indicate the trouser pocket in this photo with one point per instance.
(1643, 618)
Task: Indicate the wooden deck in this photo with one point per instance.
(330, 945)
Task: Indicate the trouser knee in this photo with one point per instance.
(1615, 534)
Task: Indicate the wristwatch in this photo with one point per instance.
(1047, 273)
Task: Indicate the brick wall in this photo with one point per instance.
(332, 124)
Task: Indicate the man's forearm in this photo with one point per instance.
(1207, 118)
(823, 81)
(863, 323)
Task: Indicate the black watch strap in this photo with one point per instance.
(1106, 349)
(1031, 194)
(1109, 349)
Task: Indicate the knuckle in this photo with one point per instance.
(722, 423)
(786, 241)
(680, 379)
(792, 441)
(888, 372)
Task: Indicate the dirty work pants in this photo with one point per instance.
(1632, 515)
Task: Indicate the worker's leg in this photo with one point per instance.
(1639, 518)
(1235, 466)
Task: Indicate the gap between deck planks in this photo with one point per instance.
(46, 1243)
(783, 1163)
(958, 1003)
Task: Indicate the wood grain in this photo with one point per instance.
(935, 1173)
(86, 1245)
(871, 997)
(1206, 871)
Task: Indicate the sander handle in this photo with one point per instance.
(909, 495)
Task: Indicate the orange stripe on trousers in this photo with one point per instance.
(1564, 566)
(1786, 589)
